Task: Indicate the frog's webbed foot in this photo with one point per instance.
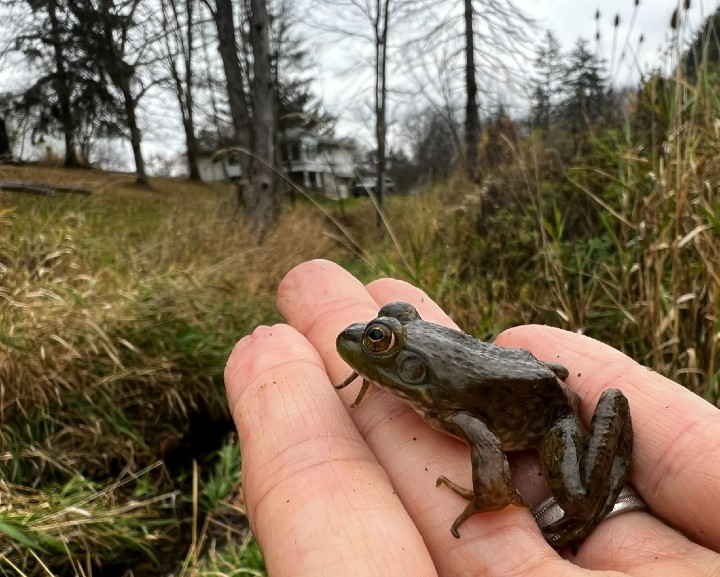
(586, 472)
(560, 371)
(475, 505)
(493, 488)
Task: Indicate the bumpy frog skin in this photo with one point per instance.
(498, 399)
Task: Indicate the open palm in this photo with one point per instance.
(338, 491)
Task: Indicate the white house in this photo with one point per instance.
(217, 165)
(26, 142)
(318, 163)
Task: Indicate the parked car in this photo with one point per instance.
(368, 185)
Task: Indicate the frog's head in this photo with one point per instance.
(378, 351)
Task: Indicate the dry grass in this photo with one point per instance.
(118, 310)
(117, 313)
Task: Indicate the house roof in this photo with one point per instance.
(299, 133)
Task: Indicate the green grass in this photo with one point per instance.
(118, 312)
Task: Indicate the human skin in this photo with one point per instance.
(337, 491)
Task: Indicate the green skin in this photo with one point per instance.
(498, 399)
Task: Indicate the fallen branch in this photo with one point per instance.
(40, 188)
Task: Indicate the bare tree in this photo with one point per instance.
(372, 21)
(262, 199)
(235, 78)
(178, 18)
(472, 116)
(120, 35)
(491, 38)
(431, 71)
(381, 25)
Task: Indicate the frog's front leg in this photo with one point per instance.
(586, 471)
(493, 487)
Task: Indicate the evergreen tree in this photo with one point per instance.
(69, 94)
(546, 85)
(586, 96)
(297, 105)
(705, 48)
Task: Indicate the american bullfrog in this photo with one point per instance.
(498, 399)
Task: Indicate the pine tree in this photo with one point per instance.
(546, 84)
(586, 90)
(705, 48)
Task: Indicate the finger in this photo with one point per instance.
(318, 501)
(677, 434)
(495, 544)
(386, 290)
(641, 545)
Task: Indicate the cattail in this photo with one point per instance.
(687, 4)
(617, 20)
(641, 39)
(674, 20)
(597, 14)
(637, 2)
(597, 35)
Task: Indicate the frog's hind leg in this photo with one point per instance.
(587, 471)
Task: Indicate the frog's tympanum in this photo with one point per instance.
(498, 399)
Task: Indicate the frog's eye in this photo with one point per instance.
(378, 338)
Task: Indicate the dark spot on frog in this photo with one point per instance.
(414, 438)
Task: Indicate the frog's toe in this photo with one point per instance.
(568, 531)
(455, 488)
(479, 504)
(468, 512)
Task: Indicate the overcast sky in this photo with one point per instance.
(568, 20)
(349, 96)
(573, 19)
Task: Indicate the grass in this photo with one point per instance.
(117, 314)
(118, 311)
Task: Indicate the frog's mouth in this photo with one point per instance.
(349, 342)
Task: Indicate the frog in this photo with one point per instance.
(498, 400)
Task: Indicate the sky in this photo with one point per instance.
(348, 95)
(568, 20)
(572, 19)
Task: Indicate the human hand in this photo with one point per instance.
(337, 491)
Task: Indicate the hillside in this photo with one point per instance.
(118, 311)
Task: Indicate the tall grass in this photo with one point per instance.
(621, 244)
(117, 314)
(118, 311)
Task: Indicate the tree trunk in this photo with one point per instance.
(227, 46)
(135, 134)
(192, 144)
(121, 74)
(62, 88)
(262, 199)
(472, 118)
(381, 34)
(183, 84)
